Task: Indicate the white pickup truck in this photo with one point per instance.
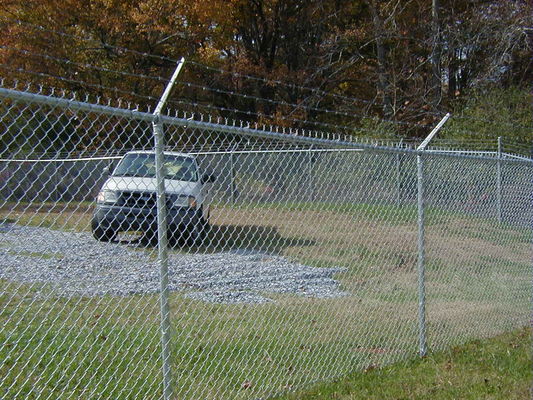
(128, 199)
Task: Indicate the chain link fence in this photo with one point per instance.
(291, 259)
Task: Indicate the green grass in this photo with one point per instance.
(498, 368)
(478, 284)
(110, 344)
(386, 213)
(72, 216)
(54, 348)
(62, 346)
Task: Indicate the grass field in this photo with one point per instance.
(478, 285)
(497, 368)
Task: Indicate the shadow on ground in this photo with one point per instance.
(220, 238)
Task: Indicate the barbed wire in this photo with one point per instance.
(181, 102)
(232, 73)
(86, 65)
(249, 113)
(163, 58)
(107, 45)
(471, 133)
(480, 143)
(295, 105)
(492, 122)
(202, 87)
(82, 83)
(191, 62)
(269, 81)
(335, 127)
(235, 122)
(338, 96)
(512, 145)
(438, 144)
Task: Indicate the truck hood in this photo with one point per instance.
(137, 184)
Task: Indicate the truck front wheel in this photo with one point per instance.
(101, 233)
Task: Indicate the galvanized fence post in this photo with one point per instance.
(399, 175)
(422, 338)
(422, 349)
(162, 236)
(499, 181)
(233, 184)
(309, 174)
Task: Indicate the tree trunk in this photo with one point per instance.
(436, 75)
(379, 33)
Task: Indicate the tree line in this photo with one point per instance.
(376, 65)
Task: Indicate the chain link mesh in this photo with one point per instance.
(292, 259)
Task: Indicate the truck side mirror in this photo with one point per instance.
(108, 170)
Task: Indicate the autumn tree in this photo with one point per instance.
(364, 60)
(96, 45)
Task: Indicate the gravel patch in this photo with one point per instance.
(74, 264)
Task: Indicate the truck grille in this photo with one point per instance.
(138, 200)
(145, 200)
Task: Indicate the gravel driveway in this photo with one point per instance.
(75, 264)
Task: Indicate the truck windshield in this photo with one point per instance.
(143, 165)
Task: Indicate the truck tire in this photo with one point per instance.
(102, 234)
(196, 233)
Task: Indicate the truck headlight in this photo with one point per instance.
(185, 201)
(107, 196)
